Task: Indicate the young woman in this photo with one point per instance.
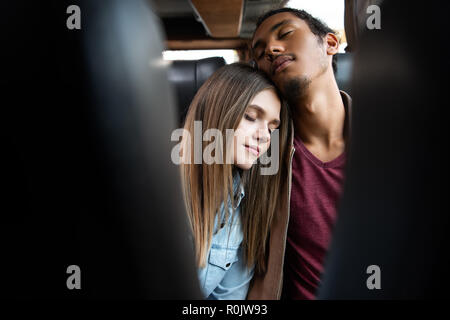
(230, 203)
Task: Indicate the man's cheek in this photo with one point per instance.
(264, 67)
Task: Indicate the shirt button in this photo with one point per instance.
(227, 265)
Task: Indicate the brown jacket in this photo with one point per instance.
(269, 285)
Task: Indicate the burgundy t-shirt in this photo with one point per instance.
(316, 189)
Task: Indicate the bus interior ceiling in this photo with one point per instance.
(200, 24)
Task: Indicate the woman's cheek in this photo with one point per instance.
(265, 148)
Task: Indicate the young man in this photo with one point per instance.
(296, 51)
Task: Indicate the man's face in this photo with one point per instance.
(285, 48)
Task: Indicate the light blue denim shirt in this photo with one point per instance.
(226, 276)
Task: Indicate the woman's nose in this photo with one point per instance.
(263, 135)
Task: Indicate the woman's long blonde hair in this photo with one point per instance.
(220, 103)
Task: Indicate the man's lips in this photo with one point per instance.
(280, 63)
(254, 150)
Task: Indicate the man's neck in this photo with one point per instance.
(319, 119)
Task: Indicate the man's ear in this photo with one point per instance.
(332, 42)
(251, 61)
(253, 64)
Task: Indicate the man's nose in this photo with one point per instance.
(274, 49)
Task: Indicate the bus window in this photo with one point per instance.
(329, 11)
(229, 55)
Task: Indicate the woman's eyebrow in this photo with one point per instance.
(263, 112)
(258, 108)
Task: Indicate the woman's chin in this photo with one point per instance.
(244, 166)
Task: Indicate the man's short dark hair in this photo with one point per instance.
(316, 26)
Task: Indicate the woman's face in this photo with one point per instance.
(252, 136)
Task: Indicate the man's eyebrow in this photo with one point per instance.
(272, 29)
(286, 21)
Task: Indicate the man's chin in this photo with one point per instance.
(282, 80)
(294, 88)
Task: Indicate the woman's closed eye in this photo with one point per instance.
(249, 118)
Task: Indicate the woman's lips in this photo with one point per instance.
(253, 150)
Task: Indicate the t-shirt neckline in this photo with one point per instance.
(329, 164)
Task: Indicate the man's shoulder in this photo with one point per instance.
(346, 99)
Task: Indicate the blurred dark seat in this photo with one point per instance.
(86, 173)
(394, 211)
(187, 76)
